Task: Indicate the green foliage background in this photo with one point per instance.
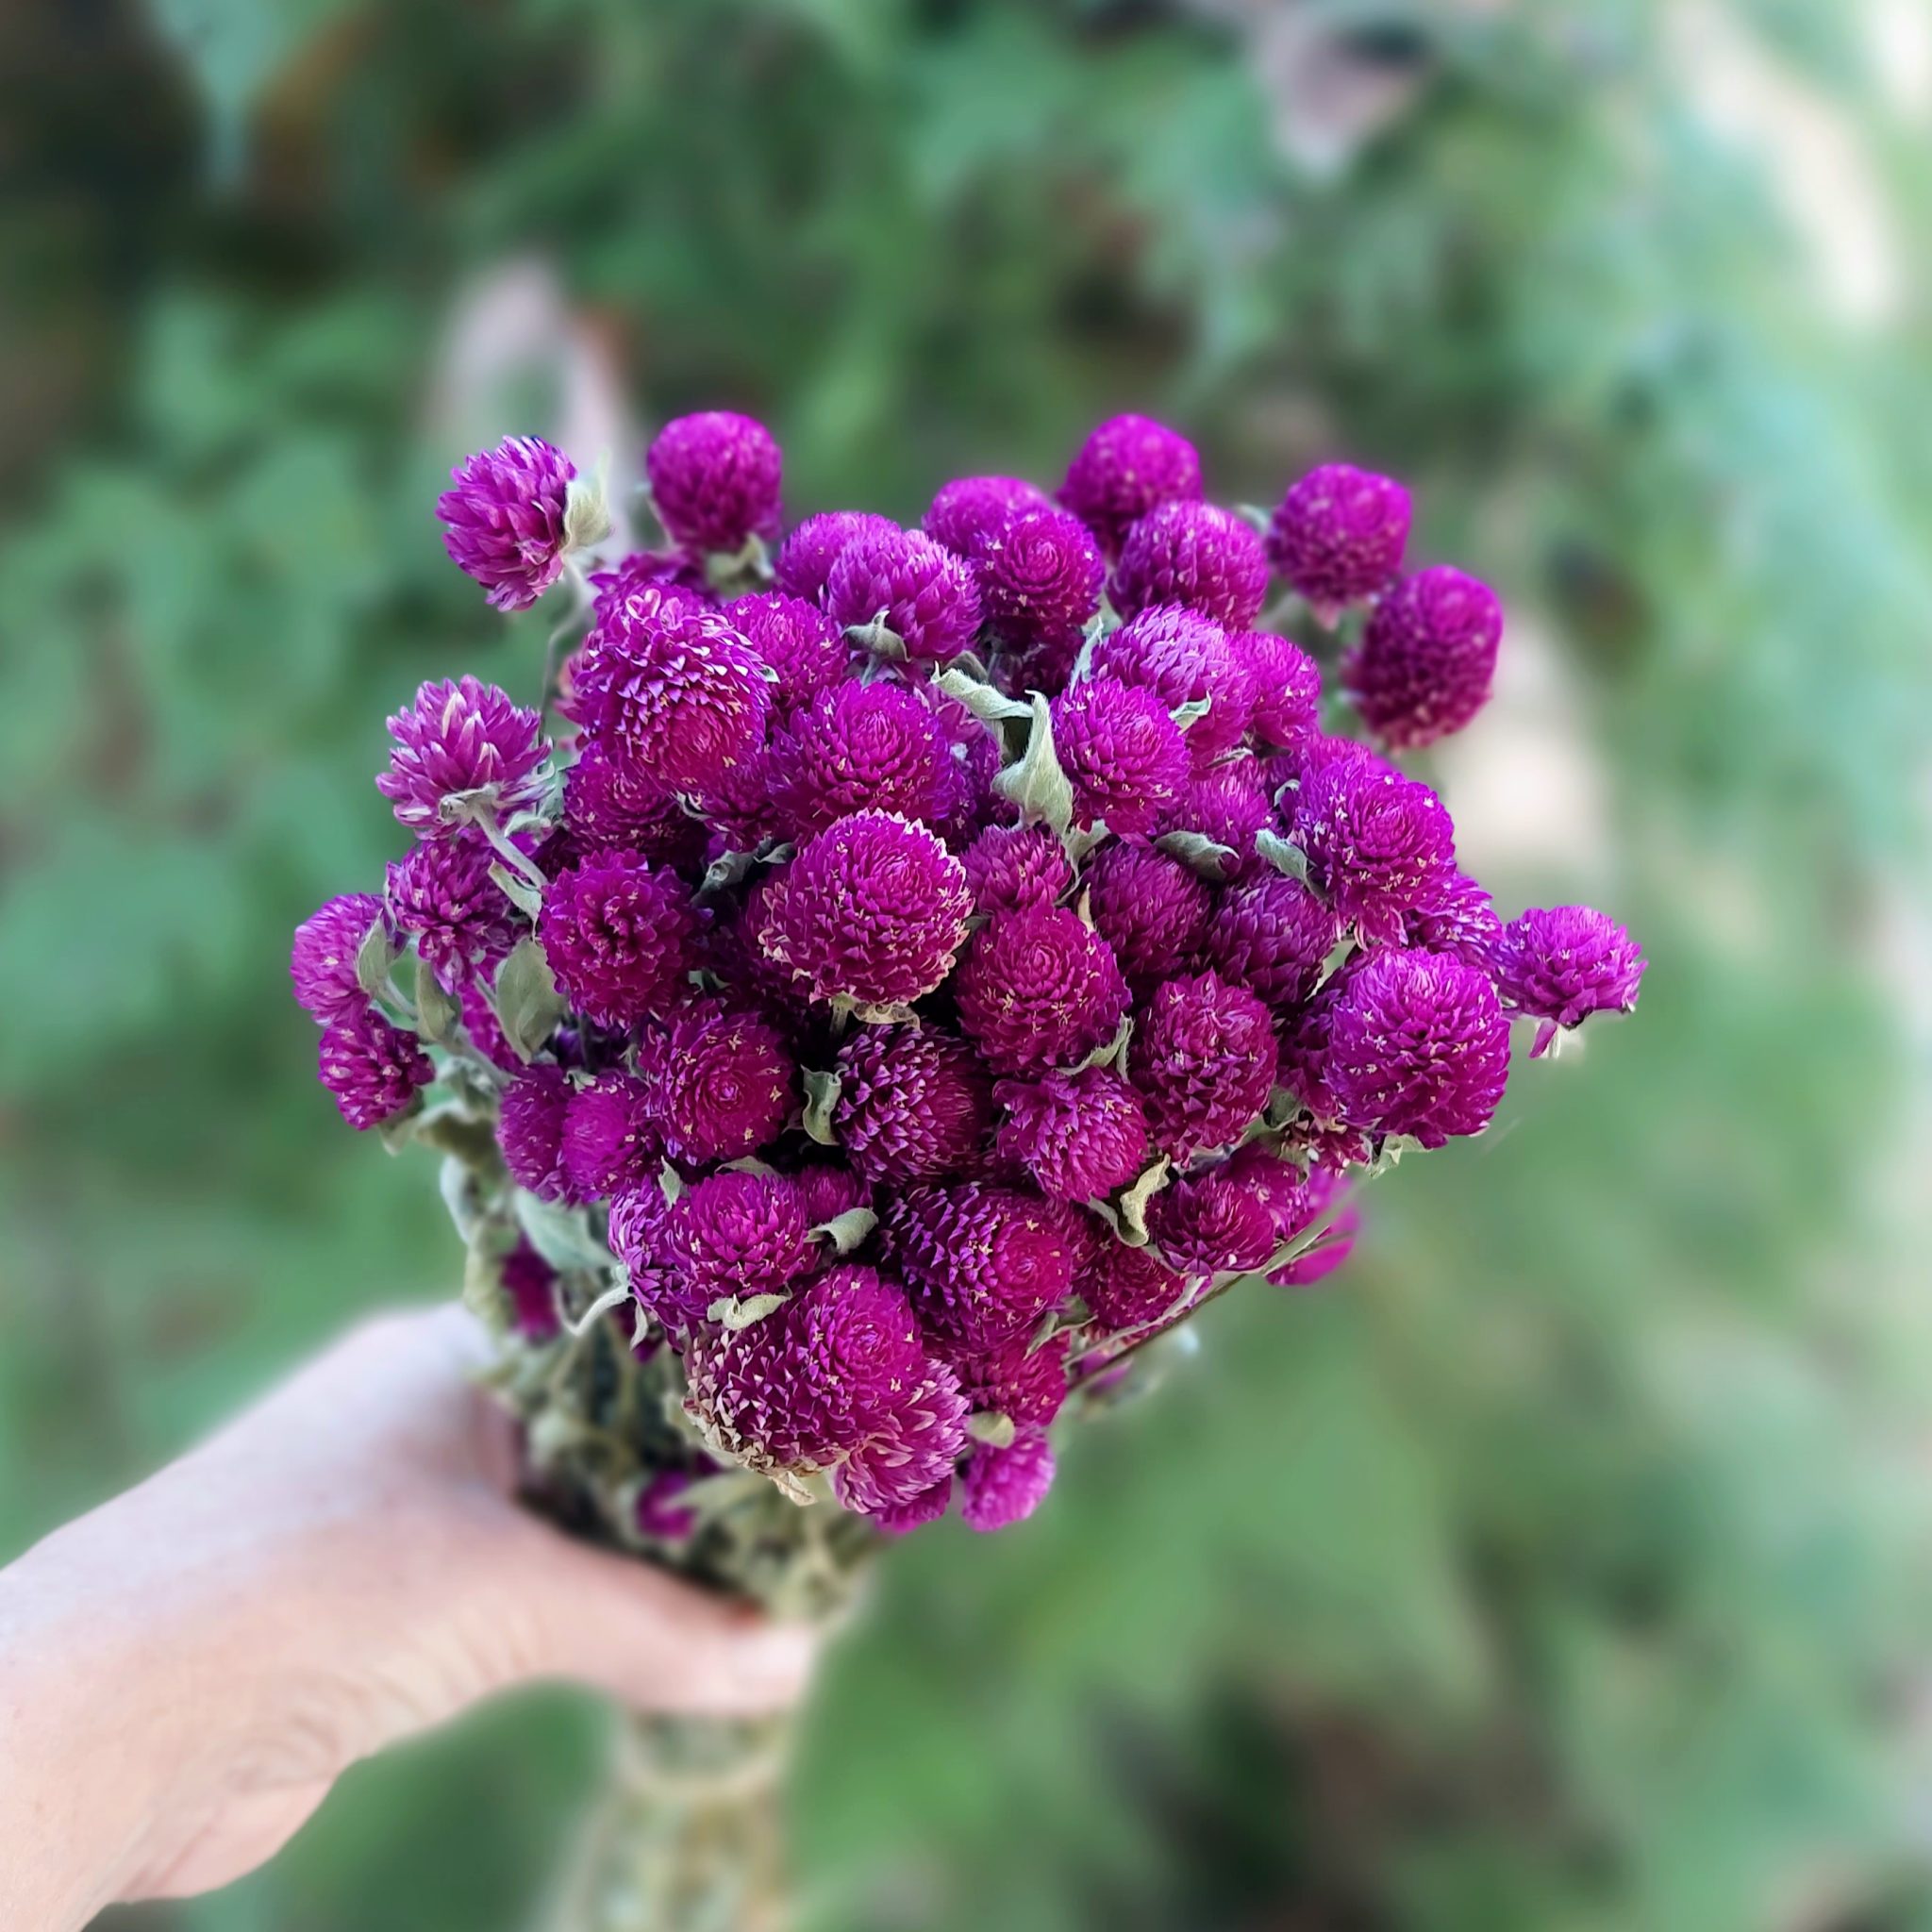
(1566, 1566)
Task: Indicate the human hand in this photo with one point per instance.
(185, 1672)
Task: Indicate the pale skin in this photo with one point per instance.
(185, 1672)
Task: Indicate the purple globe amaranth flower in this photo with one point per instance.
(1427, 659)
(738, 1234)
(530, 1282)
(1338, 535)
(1203, 1058)
(914, 1104)
(901, 1518)
(661, 570)
(859, 747)
(1150, 909)
(982, 1263)
(504, 520)
(1418, 1045)
(1378, 845)
(1303, 1040)
(970, 512)
(639, 1237)
(1018, 1381)
(1323, 1205)
(715, 479)
(1286, 684)
(1039, 988)
(1459, 918)
(1127, 1287)
(738, 811)
(371, 1067)
(872, 910)
(621, 937)
(722, 1082)
(1002, 1487)
(923, 592)
(1270, 934)
(1184, 659)
(1229, 805)
(322, 963)
(459, 737)
(1195, 555)
(1212, 1223)
(658, 1511)
(673, 692)
(797, 640)
(1561, 963)
(1121, 752)
(442, 894)
(805, 558)
(1040, 576)
(1128, 466)
(827, 1190)
(1080, 1135)
(529, 1131)
(1009, 867)
(606, 811)
(609, 1145)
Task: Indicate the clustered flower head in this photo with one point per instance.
(924, 966)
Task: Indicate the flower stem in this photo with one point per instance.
(519, 862)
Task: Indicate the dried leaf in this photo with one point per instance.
(1133, 1204)
(990, 705)
(847, 1231)
(528, 1006)
(1036, 783)
(1199, 852)
(374, 957)
(820, 1101)
(1284, 856)
(436, 1011)
(734, 1314)
(992, 1429)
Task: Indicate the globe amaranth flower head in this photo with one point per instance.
(1202, 1056)
(1080, 1135)
(609, 1144)
(1338, 535)
(529, 1131)
(805, 558)
(675, 573)
(1195, 555)
(1286, 686)
(982, 1263)
(1121, 752)
(1212, 1223)
(859, 747)
(738, 1234)
(1228, 804)
(1378, 845)
(1039, 988)
(797, 640)
(1271, 934)
(505, 519)
(1024, 1383)
(621, 937)
(1330, 1212)
(1427, 659)
(1456, 918)
(1128, 466)
(914, 1104)
(715, 479)
(1418, 1045)
(827, 1190)
(1184, 659)
(1002, 1487)
(442, 894)
(322, 963)
(371, 1067)
(872, 910)
(723, 1081)
(920, 591)
(1127, 1287)
(970, 512)
(606, 811)
(1152, 910)
(462, 738)
(1040, 574)
(1560, 964)
(1008, 867)
(639, 1237)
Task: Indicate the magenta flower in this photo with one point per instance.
(1128, 1288)
(504, 519)
(805, 558)
(1286, 684)
(1338, 535)
(1080, 1135)
(923, 592)
(1212, 1223)
(442, 896)
(722, 1082)
(1197, 556)
(1337, 1237)
(1456, 918)
(859, 747)
(608, 1144)
(1183, 658)
(530, 1283)
(1009, 867)
(1270, 934)
(1150, 909)
(1121, 752)
(797, 640)
(1128, 466)
(675, 573)
(1560, 964)
(715, 479)
(1228, 804)
(1202, 1056)
(606, 810)
(914, 1104)
(1002, 1487)
(970, 512)
(738, 1234)
(619, 935)
(1026, 1384)
(371, 1067)
(1039, 988)
(459, 737)
(323, 961)
(1040, 576)
(981, 1263)
(529, 1130)
(1425, 661)
(1378, 845)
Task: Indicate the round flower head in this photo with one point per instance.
(458, 737)
(1270, 934)
(1338, 535)
(1302, 1071)
(1183, 658)
(504, 519)
(529, 1130)
(1127, 1287)
(924, 593)
(674, 693)
(1229, 805)
(723, 1083)
(1419, 1046)
(737, 811)
(1002, 1487)
(1008, 867)
(1278, 1184)
(738, 1234)
(1126, 467)
(1121, 752)
(1286, 683)
(1202, 1056)
(1378, 845)
(1561, 963)
(971, 511)
(1026, 1383)
(606, 810)
(715, 479)
(1212, 1223)
(530, 1282)
(805, 558)
(1039, 988)
(1150, 909)
(1198, 556)
(797, 640)
(1459, 919)
(927, 1506)
(872, 910)
(1339, 1224)
(914, 1104)
(609, 1145)
(620, 937)
(323, 961)
(674, 571)
(859, 747)
(639, 1237)
(1040, 574)
(442, 896)
(826, 1190)
(373, 1069)
(1425, 661)
(982, 1263)
(1080, 1135)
